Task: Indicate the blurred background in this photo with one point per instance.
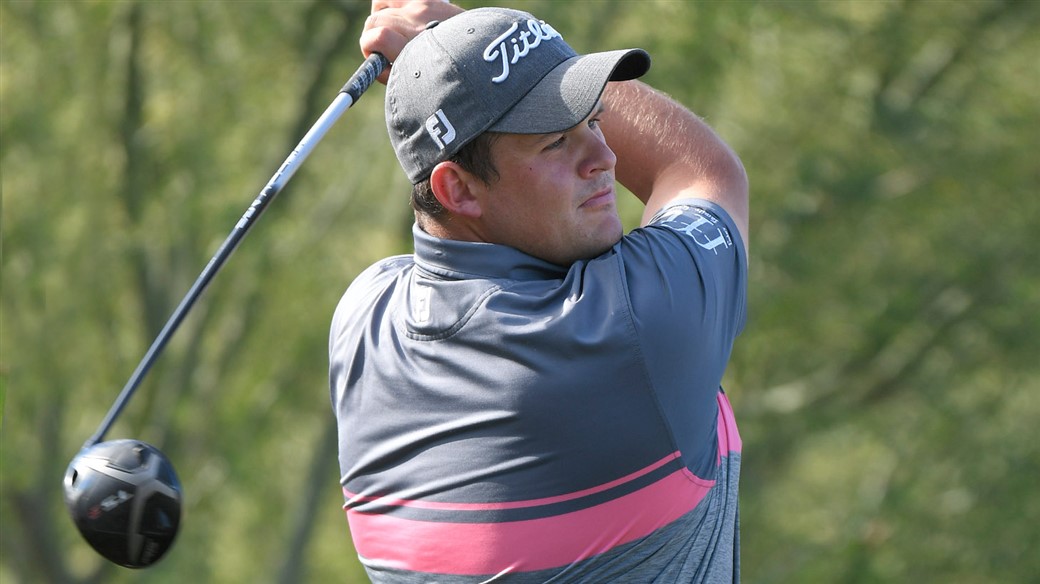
(887, 385)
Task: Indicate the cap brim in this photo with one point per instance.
(566, 96)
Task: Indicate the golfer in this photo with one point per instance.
(532, 395)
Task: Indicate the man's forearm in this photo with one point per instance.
(666, 152)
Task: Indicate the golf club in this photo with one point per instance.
(123, 495)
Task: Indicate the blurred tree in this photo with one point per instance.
(894, 293)
(131, 147)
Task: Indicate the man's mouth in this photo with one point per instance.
(602, 197)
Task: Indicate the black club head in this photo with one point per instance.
(125, 499)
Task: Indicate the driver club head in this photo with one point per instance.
(125, 499)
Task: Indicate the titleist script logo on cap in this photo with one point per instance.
(499, 48)
(530, 37)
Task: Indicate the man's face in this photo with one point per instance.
(554, 198)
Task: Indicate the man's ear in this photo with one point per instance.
(456, 189)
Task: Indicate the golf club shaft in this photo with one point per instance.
(348, 95)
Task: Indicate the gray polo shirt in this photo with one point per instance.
(502, 418)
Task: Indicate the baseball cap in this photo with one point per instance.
(492, 69)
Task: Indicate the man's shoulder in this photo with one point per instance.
(388, 267)
(376, 278)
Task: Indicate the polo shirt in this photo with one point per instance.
(503, 418)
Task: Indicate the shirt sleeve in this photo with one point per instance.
(686, 276)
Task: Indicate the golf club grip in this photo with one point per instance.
(365, 75)
(359, 82)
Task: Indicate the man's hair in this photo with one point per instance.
(475, 158)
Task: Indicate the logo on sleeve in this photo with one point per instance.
(703, 227)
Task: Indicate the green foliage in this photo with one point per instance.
(887, 383)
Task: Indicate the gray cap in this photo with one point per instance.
(492, 69)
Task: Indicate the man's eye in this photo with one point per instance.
(556, 143)
(594, 122)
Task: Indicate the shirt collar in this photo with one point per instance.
(465, 259)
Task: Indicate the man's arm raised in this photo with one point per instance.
(665, 152)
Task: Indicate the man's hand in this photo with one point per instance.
(395, 22)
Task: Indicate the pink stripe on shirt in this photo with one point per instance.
(536, 544)
(729, 436)
(354, 498)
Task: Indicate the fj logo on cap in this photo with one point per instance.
(522, 44)
(437, 126)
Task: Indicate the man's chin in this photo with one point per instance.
(603, 245)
